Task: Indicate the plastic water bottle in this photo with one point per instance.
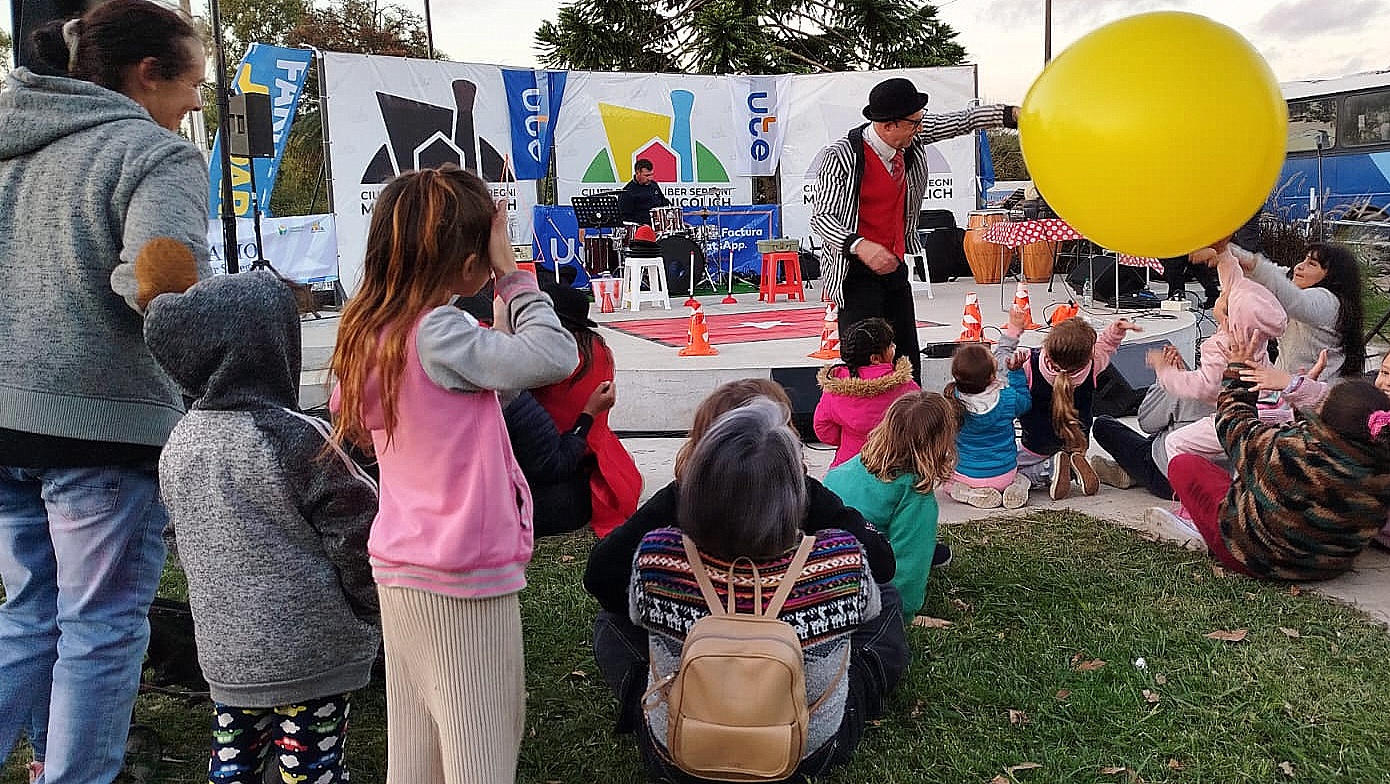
(1087, 300)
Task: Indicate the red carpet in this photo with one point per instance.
(725, 328)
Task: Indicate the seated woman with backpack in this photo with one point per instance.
(803, 710)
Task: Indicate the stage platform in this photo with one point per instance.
(658, 390)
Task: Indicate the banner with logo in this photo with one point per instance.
(387, 115)
(759, 104)
(533, 99)
(557, 241)
(302, 248)
(679, 122)
(280, 73)
(738, 230)
(825, 107)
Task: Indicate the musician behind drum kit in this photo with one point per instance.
(641, 195)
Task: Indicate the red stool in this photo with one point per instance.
(791, 285)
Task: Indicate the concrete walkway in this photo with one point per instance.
(1366, 588)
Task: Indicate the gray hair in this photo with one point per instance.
(743, 493)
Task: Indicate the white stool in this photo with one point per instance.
(633, 296)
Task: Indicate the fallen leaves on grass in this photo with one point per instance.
(1237, 635)
(1062, 694)
(1022, 766)
(1113, 770)
(1017, 717)
(928, 622)
(1286, 768)
(1217, 571)
(964, 607)
(1160, 679)
(1173, 764)
(1151, 697)
(1089, 666)
(1294, 590)
(1290, 632)
(566, 558)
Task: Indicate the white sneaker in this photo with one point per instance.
(1173, 528)
(978, 497)
(1016, 494)
(1110, 472)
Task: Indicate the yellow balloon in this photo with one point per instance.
(1157, 134)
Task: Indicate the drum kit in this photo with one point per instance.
(681, 245)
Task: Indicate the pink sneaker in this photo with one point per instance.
(35, 770)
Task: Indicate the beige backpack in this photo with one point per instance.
(737, 703)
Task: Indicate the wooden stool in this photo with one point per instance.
(791, 285)
(633, 295)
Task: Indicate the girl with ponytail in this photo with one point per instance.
(1062, 380)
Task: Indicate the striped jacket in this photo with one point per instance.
(835, 214)
(1306, 500)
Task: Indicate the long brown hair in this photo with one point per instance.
(1068, 347)
(425, 228)
(726, 397)
(917, 436)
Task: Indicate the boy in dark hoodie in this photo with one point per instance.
(272, 529)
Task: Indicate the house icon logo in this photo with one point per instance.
(421, 135)
(666, 140)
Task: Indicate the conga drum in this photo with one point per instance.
(987, 260)
(1037, 260)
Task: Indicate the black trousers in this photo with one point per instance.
(1134, 452)
(869, 295)
(1177, 270)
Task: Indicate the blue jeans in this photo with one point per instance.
(81, 552)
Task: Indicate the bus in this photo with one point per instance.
(1338, 155)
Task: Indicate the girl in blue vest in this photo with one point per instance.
(987, 473)
(1062, 378)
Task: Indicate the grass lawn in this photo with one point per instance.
(1037, 678)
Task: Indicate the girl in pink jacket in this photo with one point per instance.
(452, 535)
(1245, 311)
(856, 392)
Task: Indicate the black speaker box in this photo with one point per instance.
(945, 250)
(250, 131)
(800, 384)
(1107, 275)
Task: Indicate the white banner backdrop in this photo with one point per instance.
(302, 247)
(759, 105)
(386, 115)
(825, 107)
(679, 122)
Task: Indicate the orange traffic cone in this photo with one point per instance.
(1063, 312)
(1021, 302)
(697, 340)
(971, 322)
(829, 336)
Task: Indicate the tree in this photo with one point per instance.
(747, 36)
(363, 27)
(1005, 151)
(6, 44)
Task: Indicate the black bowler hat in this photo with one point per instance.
(571, 305)
(894, 99)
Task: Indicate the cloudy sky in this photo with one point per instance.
(1301, 39)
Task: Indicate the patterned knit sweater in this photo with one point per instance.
(835, 595)
(1305, 500)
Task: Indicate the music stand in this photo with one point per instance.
(599, 211)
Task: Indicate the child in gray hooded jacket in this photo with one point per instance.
(272, 529)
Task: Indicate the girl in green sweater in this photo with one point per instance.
(892, 481)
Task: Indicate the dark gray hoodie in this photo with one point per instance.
(272, 523)
(86, 179)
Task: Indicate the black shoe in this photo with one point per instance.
(1209, 302)
(942, 556)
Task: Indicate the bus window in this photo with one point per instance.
(1366, 118)
(1309, 121)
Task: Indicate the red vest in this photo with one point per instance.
(882, 217)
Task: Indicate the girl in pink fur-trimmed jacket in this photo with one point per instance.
(856, 392)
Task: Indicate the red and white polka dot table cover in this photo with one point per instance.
(1020, 233)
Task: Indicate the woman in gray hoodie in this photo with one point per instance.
(90, 172)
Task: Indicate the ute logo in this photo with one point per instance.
(666, 140)
(421, 135)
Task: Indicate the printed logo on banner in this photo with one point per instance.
(760, 126)
(423, 135)
(668, 141)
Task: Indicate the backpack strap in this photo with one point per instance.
(697, 568)
(792, 574)
(830, 689)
